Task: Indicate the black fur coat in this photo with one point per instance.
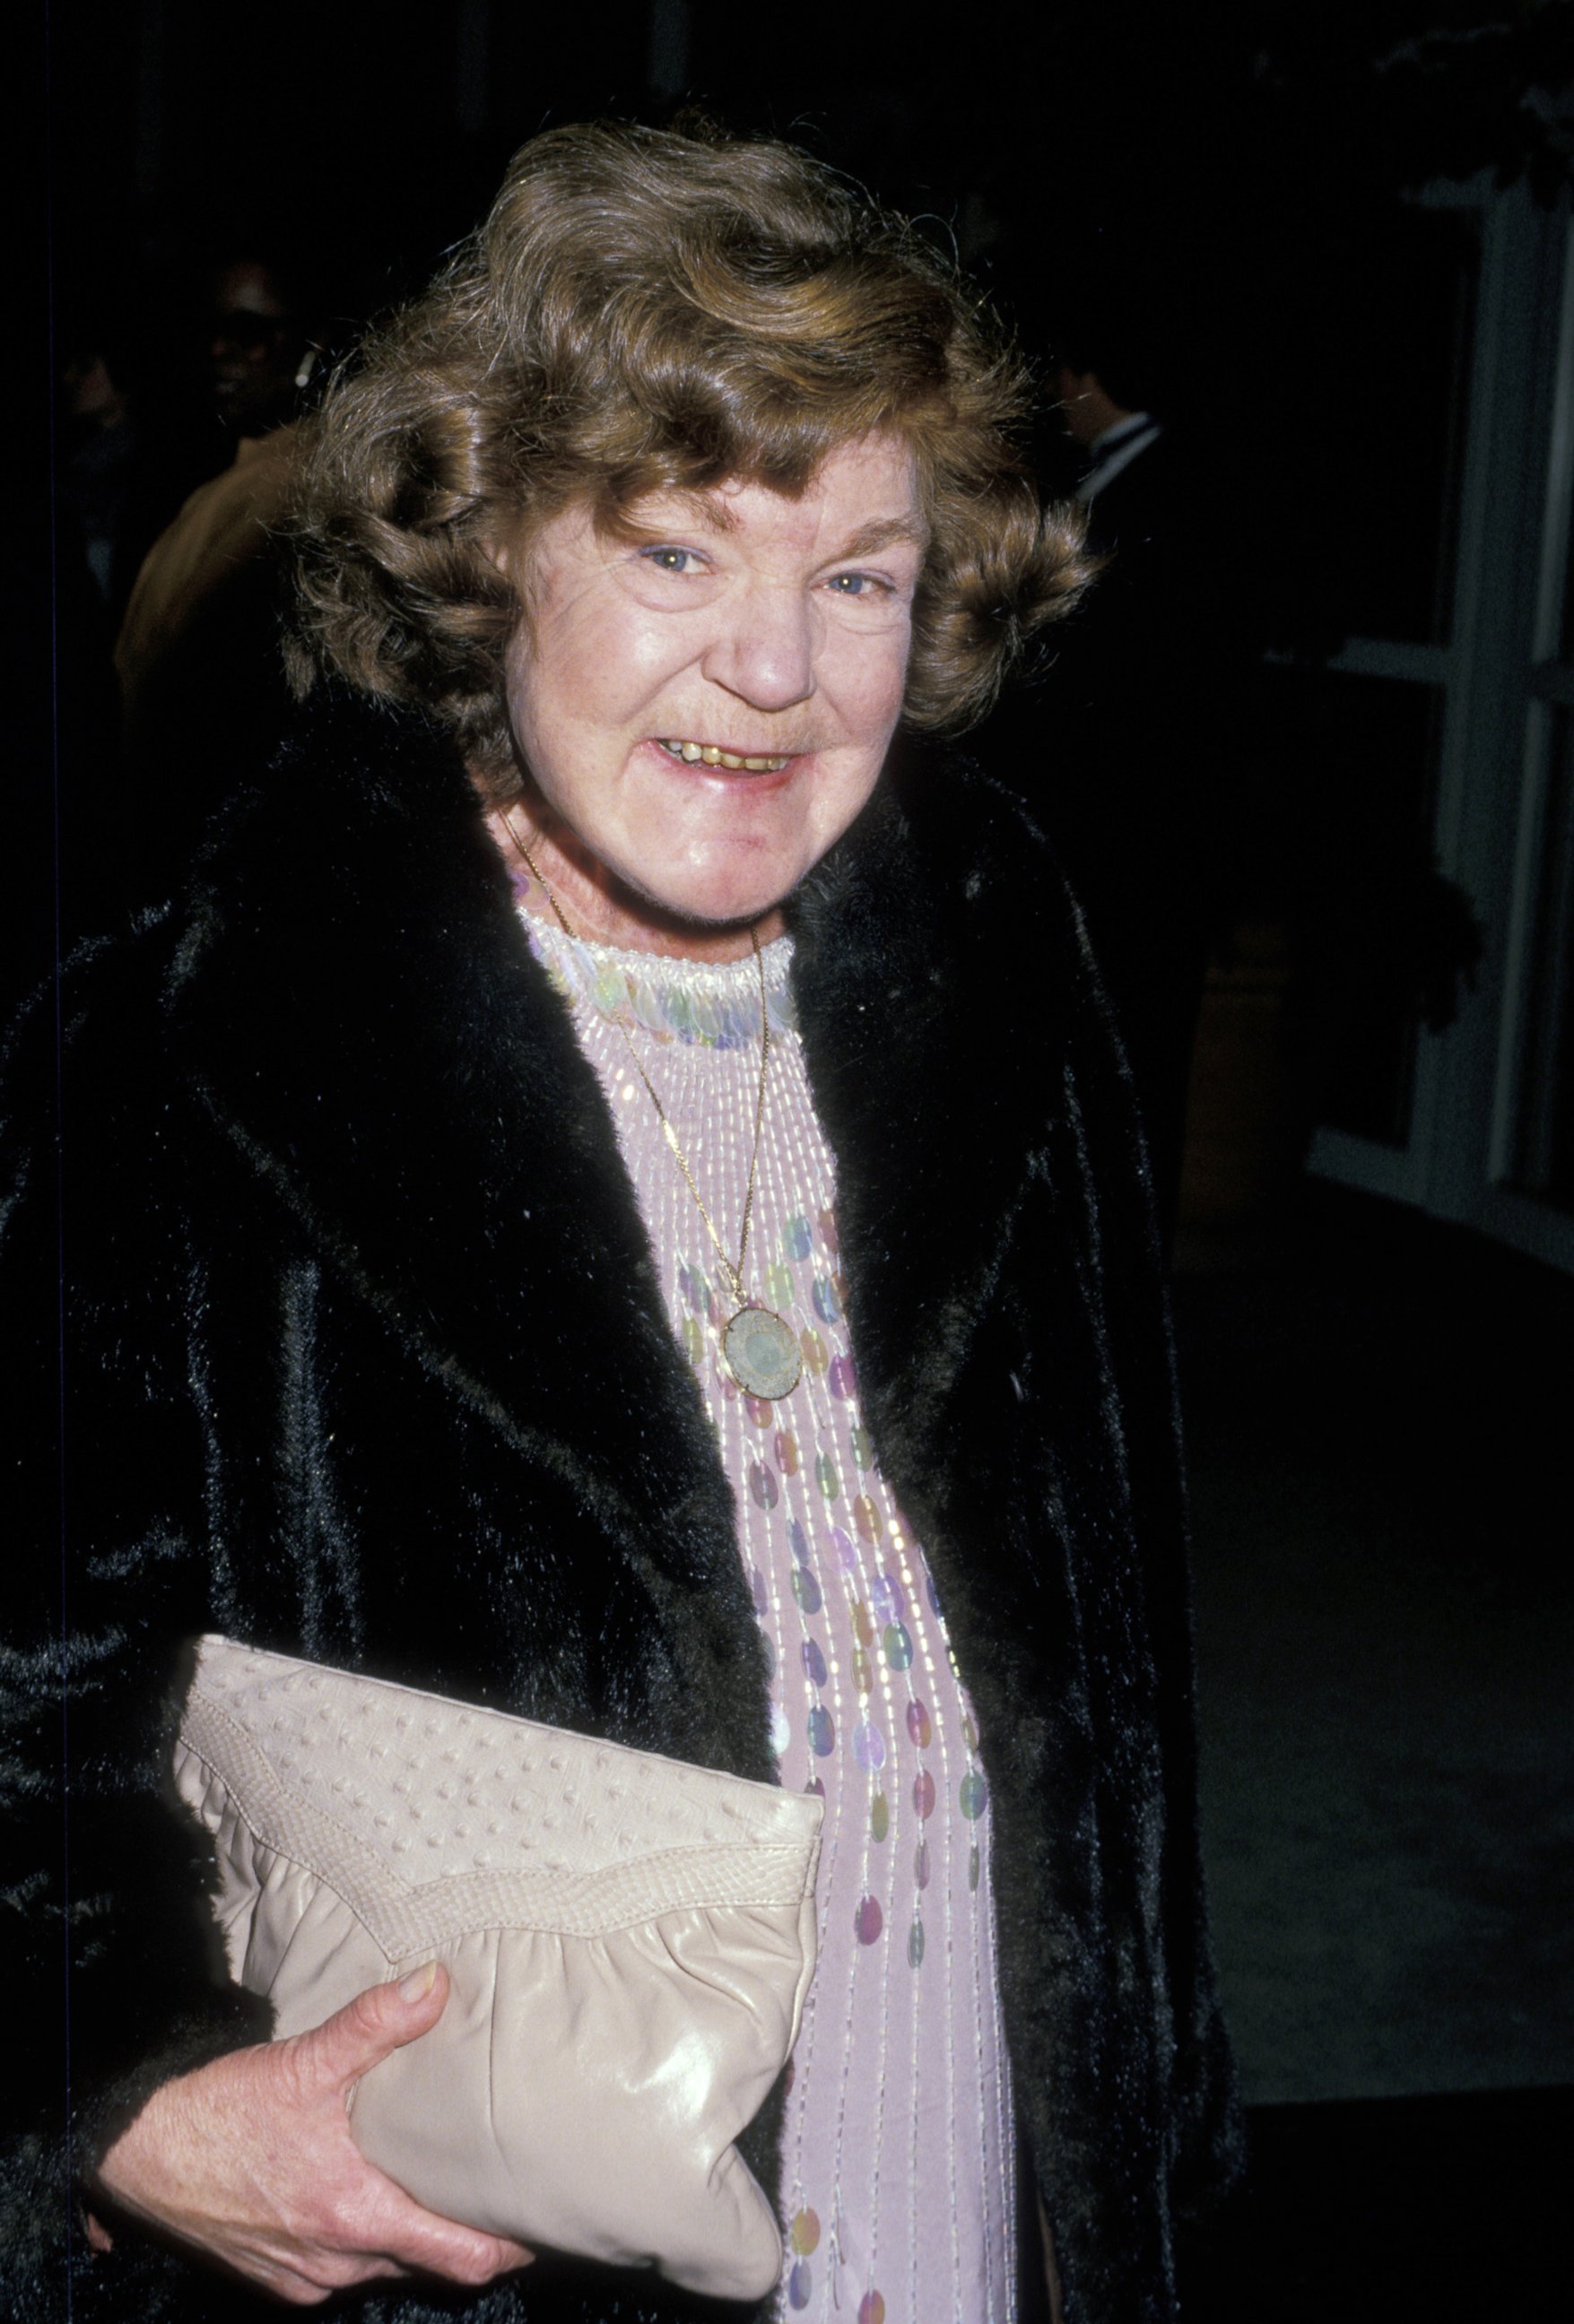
(346, 1241)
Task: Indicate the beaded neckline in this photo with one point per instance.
(705, 1004)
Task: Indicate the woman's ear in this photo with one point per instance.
(508, 551)
(506, 544)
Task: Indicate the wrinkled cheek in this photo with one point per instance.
(873, 688)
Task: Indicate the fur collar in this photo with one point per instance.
(359, 1010)
(355, 974)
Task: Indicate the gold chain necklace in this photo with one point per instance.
(760, 1346)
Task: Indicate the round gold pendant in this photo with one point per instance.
(763, 1353)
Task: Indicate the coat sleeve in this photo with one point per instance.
(107, 1942)
(1127, 1290)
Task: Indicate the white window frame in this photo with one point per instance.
(1500, 680)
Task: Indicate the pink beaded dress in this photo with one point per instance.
(898, 2189)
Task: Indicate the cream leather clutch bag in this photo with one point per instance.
(629, 1940)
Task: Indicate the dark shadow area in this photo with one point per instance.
(1377, 1416)
(1376, 1422)
(1377, 1412)
(1398, 2211)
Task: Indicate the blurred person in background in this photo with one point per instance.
(198, 652)
(1129, 751)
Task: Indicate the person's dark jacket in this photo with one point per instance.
(1128, 751)
(364, 1358)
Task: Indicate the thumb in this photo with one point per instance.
(377, 2023)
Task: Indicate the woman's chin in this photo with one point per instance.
(720, 914)
(719, 897)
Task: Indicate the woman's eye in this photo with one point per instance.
(859, 584)
(671, 561)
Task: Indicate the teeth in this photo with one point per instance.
(712, 756)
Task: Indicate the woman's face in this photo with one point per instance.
(737, 622)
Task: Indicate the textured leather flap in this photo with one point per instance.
(431, 1817)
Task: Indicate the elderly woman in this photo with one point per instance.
(614, 1199)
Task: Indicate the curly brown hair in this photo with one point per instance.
(646, 310)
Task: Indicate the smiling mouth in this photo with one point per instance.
(711, 754)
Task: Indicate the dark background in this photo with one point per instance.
(1229, 177)
(1378, 1405)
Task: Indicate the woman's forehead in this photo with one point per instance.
(867, 488)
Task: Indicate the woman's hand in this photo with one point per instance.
(251, 2161)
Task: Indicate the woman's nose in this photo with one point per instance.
(764, 650)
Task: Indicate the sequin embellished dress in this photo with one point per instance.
(898, 2155)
